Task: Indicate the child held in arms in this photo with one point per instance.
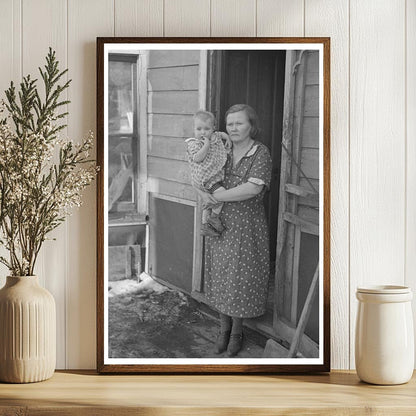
(207, 154)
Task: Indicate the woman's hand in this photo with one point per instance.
(207, 199)
(228, 144)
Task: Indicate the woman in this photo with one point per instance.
(237, 263)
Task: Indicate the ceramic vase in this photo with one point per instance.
(27, 331)
(384, 341)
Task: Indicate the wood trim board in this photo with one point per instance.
(234, 367)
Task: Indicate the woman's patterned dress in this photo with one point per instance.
(237, 263)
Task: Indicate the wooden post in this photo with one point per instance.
(304, 317)
(284, 174)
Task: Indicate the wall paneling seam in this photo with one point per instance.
(349, 185)
(304, 17)
(21, 39)
(66, 222)
(405, 145)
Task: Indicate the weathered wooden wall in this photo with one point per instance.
(309, 125)
(373, 153)
(173, 98)
(173, 95)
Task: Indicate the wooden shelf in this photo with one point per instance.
(86, 393)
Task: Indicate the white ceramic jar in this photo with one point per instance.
(384, 337)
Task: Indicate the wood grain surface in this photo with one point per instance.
(331, 18)
(339, 393)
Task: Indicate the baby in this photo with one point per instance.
(207, 154)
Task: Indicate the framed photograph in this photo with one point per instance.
(213, 205)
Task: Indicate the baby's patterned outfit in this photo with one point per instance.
(208, 174)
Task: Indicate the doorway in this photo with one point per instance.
(255, 78)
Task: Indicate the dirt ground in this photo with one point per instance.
(164, 323)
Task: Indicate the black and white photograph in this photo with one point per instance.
(212, 205)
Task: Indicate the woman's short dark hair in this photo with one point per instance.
(251, 115)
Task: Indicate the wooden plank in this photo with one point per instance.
(280, 18)
(280, 277)
(298, 77)
(306, 311)
(85, 20)
(174, 170)
(298, 116)
(175, 78)
(300, 191)
(310, 163)
(274, 350)
(10, 44)
(377, 147)
(310, 134)
(312, 69)
(305, 183)
(185, 17)
(311, 101)
(292, 200)
(295, 276)
(203, 79)
(170, 188)
(82, 393)
(10, 67)
(306, 197)
(6, 46)
(310, 202)
(197, 282)
(168, 58)
(143, 131)
(170, 125)
(307, 347)
(308, 213)
(331, 18)
(306, 226)
(54, 256)
(167, 147)
(173, 102)
(173, 199)
(410, 262)
(138, 17)
(233, 18)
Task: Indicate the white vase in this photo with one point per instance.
(384, 337)
(27, 331)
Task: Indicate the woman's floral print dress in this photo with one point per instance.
(237, 263)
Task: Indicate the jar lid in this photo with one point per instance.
(384, 289)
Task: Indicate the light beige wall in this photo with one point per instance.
(373, 151)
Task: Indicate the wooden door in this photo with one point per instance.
(255, 78)
(282, 87)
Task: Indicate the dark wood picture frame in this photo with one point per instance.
(320, 279)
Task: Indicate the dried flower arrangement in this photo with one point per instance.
(42, 176)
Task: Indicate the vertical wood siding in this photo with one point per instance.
(377, 146)
(10, 63)
(331, 18)
(410, 84)
(373, 151)
(85, 20)
(54, 255)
